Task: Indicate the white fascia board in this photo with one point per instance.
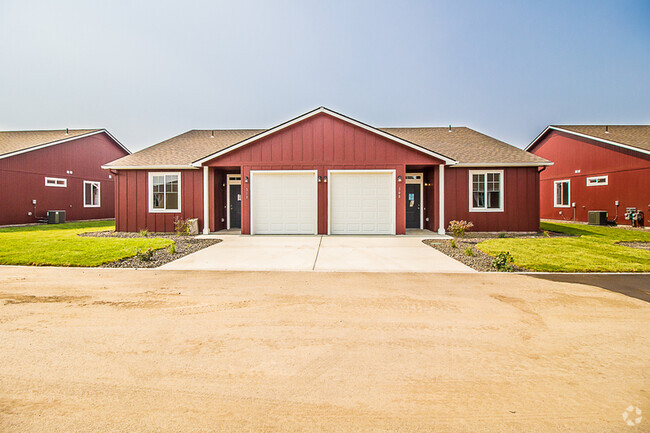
(54, 143)
(149, 167)
(502, 164)
(589, 137)
(319, 110)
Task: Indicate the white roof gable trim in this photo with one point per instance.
(54, 143)
(447, 160)
(590, 137)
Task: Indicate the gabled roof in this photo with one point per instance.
(17, 142)
(634, 137)
(460, 147)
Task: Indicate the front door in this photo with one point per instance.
(413, 205)
(235, 206)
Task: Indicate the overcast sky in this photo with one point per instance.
(149, 70)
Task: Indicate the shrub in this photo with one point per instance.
(453, 243)
(469, 252)
(458, 228)
(144, 233)
(145, 255)
(502, 262)
(181, 227)
(502, 235)
(172, 248)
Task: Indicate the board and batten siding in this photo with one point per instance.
(22, 179)
(323, 143)
(132, 201)
(576, 158)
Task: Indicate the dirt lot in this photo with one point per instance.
(145, 350)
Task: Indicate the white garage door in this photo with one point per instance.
(284, 202)
(362, 202)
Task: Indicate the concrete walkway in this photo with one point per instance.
(320, 253)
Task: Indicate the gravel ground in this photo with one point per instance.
(640, 245)
(480, 261)
(184, 245)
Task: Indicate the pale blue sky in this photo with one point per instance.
(150, 70)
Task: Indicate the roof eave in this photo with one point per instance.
(503, 164)
(149, 167)
(589, 137)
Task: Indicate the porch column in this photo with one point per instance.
(206, 201)
(441, 199)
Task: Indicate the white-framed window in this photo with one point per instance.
(91, 193)
(56, 181)
(486, 191)
(165, 192)
(562, 193)
(597, 180)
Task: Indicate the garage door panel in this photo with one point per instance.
(284, 203)
(362, 203)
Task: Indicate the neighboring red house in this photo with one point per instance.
(56, 170)
(325, 173)
(595, 168)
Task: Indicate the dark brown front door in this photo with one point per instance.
(235, 206)
(413, 206)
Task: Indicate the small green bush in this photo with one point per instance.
(458, 228)
(469, 252)
(145, 255)
(144, 233)
(181, 227)
(172, 248)
(502, 235)
(502, 262)
(453, 243)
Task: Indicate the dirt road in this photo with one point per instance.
(142, 351)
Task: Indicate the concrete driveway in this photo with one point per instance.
(320, 253)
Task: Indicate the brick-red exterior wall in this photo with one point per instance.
(628, 174)
(132, 201)
(323, 143)
(22, 179)
(520, 207)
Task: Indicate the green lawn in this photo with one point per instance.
(592, 250)
(59, 245)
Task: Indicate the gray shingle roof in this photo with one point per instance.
(14, 141)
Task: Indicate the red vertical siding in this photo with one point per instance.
(22, 179)
(133, 204)
(628, 174)
(521, 212)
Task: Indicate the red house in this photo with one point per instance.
(325, 173)
(595, 168)
(56, 170)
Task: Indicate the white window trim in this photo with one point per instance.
(502, 193)
(150, 195)
(55, 180)
(555, 193)
(596, 178)
(99, 195)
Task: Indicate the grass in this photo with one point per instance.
(59, 245)
(593, 249)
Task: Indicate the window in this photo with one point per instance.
(164, 192)
(486, 191)
(55, 181)
(562, 193)
(91, 194)
(597, 180)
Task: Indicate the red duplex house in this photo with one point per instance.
(595, 168)
(326, 173)
(56, 170)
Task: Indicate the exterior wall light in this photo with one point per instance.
(325, 179)
(246, 179)
(320, 179)
(399, 178)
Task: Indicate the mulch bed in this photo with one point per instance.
(184, 245)
(481, 261)
(639, 245)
